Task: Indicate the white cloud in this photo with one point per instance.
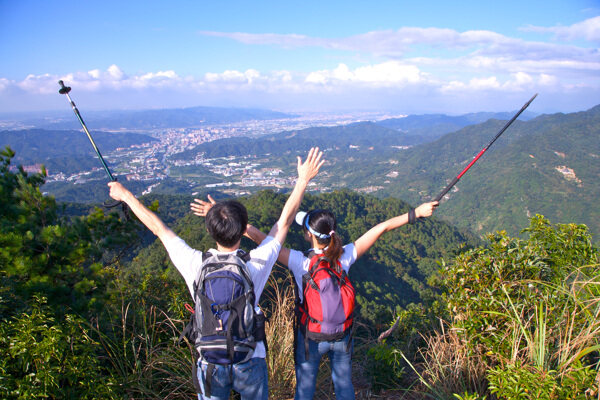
(515, 83)
(522, 78)
(39, 84)
(513, 76)
(95, 73)
(231, 76)
(390, 73)
(484, 83)
(159, 75)
(547, 80)
(283, 40)
(588, 30)
(396, 43)
(151, 79)
(378, 42)
(115, 72)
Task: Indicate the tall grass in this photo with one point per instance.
(280, 338)
(145, 357)
(553, 339)
(450, 364)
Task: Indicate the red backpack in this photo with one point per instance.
(327, 310)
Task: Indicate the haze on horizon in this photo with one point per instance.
(435, 57)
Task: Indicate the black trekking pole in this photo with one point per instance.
(455, 180)
(65, 90)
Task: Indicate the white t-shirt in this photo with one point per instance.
(299, 264)
(188, 262)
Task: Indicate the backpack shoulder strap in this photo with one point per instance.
(309, 253)
(315, 261)
(205, 256)
(243, 255)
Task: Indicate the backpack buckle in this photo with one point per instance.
(217, 314)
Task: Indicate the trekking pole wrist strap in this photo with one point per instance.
(412, 217)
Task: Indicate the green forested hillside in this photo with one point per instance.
(394, 272)
(548, 165)
(337, 138)
(66, 151)
(511, 319)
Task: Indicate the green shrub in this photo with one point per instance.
(384, 366)
(529, 310)
(518, 382)
(42, 357)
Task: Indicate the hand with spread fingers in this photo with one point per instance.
(308, 169)
(201, 207)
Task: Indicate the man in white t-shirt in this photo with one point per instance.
(227, 223)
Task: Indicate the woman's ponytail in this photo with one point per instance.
(334, 250)
(323, 223)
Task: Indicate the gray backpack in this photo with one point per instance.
(224, 326)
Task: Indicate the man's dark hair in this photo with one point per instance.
(226, 222)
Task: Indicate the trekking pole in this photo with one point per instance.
(65, 90)
(455, 180)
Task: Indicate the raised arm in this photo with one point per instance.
(306, 171)
(257, 236)
(364, 243)
(148, 218)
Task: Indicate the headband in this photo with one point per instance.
(302, 219)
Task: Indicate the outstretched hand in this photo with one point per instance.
(310, 168)
(200, 207)
(426, 209)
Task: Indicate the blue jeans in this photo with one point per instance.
(249, 379)
(341, 367)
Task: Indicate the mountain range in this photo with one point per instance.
(429, 127)
(144, 119)
(65, 150)
(547, 165)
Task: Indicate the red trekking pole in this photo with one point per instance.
(455, 180)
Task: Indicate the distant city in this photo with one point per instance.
(153, 162)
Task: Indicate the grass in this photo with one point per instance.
(556, 337)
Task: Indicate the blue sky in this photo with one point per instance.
(392, 56)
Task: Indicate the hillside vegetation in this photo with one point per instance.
(66, 151)
(429, 127)
(547, 166)
(78, 320)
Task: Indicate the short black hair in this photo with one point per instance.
(226, 222)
